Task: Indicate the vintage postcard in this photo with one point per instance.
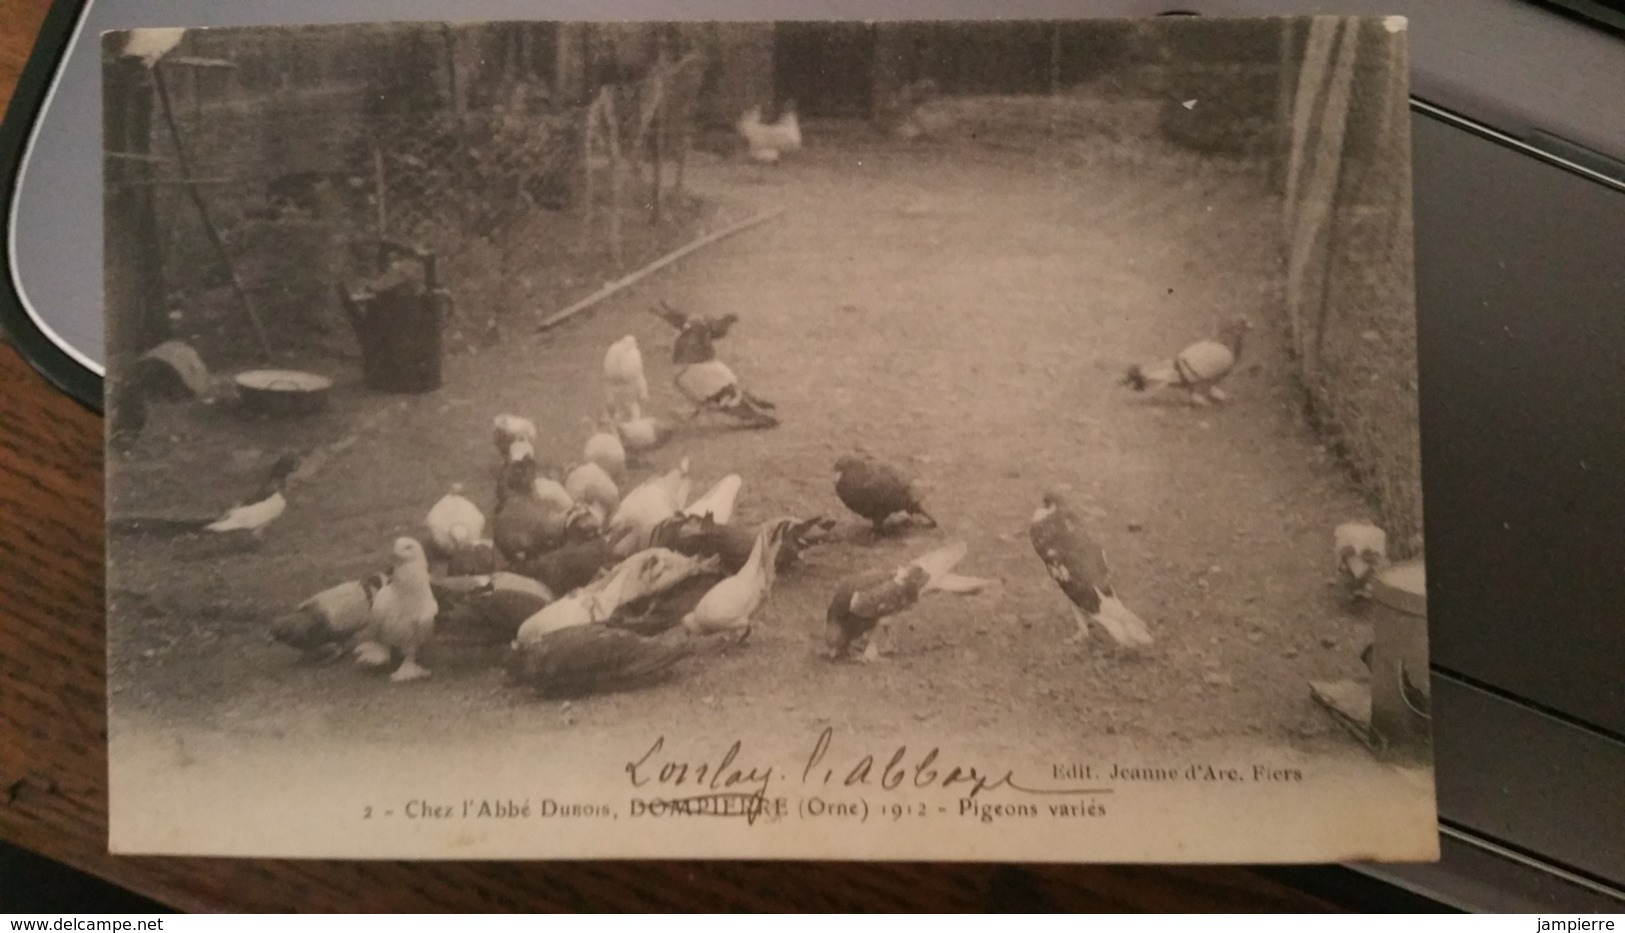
(934, 440)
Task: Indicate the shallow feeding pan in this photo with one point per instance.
(283, 392)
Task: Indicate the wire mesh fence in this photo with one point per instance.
(273, 160)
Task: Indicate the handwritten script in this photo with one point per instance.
(734, 785)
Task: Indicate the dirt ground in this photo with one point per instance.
(961, 309)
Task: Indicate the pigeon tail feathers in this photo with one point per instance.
(1121, 623)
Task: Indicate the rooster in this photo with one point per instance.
(1198, 369)
(1078, 565)
(863, 605)
(730, 605)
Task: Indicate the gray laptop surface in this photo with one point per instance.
(1519, 153)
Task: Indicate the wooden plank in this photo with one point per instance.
(653, 267)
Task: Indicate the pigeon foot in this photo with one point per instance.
(408, 671)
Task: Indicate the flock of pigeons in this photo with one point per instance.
(593, 590)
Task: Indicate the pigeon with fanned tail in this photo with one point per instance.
(1078, 565)
(1198, 369)
(863, 605)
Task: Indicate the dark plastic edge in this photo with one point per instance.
(27, 104)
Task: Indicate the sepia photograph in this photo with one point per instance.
(930, 440)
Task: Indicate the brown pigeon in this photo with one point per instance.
(863, 604)
(876, 491)
(1197, 369)
(586, 659)
(1078, 565)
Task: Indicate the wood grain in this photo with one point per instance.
(53, 766)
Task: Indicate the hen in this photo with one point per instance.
(1198, 369)
(1078, 565)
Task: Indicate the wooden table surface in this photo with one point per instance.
(53, 752)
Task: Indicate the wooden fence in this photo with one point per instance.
(1350, 290)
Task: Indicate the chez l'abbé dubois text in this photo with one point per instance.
(846, 783)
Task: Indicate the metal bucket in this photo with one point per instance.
(1401, 695)
(398, 319)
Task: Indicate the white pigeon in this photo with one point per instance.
(625, 386)
(650, 503)
(404, 610)
(589, 483)
(508, 429)
(152, 44)
(718, 501)
(265, 507)
(454, 523)
(604, 447)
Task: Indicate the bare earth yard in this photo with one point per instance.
(948, 307)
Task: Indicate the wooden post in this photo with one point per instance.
(136, 319)
(613, 123)
(381, 190)
(185, 163)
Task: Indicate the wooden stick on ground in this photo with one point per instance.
(653, 267)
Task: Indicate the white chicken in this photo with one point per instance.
(718, 501)
(625, 387)
(403, 613)
(731, 605)
(591, 484)
(604, 447)
(767, 142)
(506, 430)
(454, 523)
(152, 44)
(646, 506)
